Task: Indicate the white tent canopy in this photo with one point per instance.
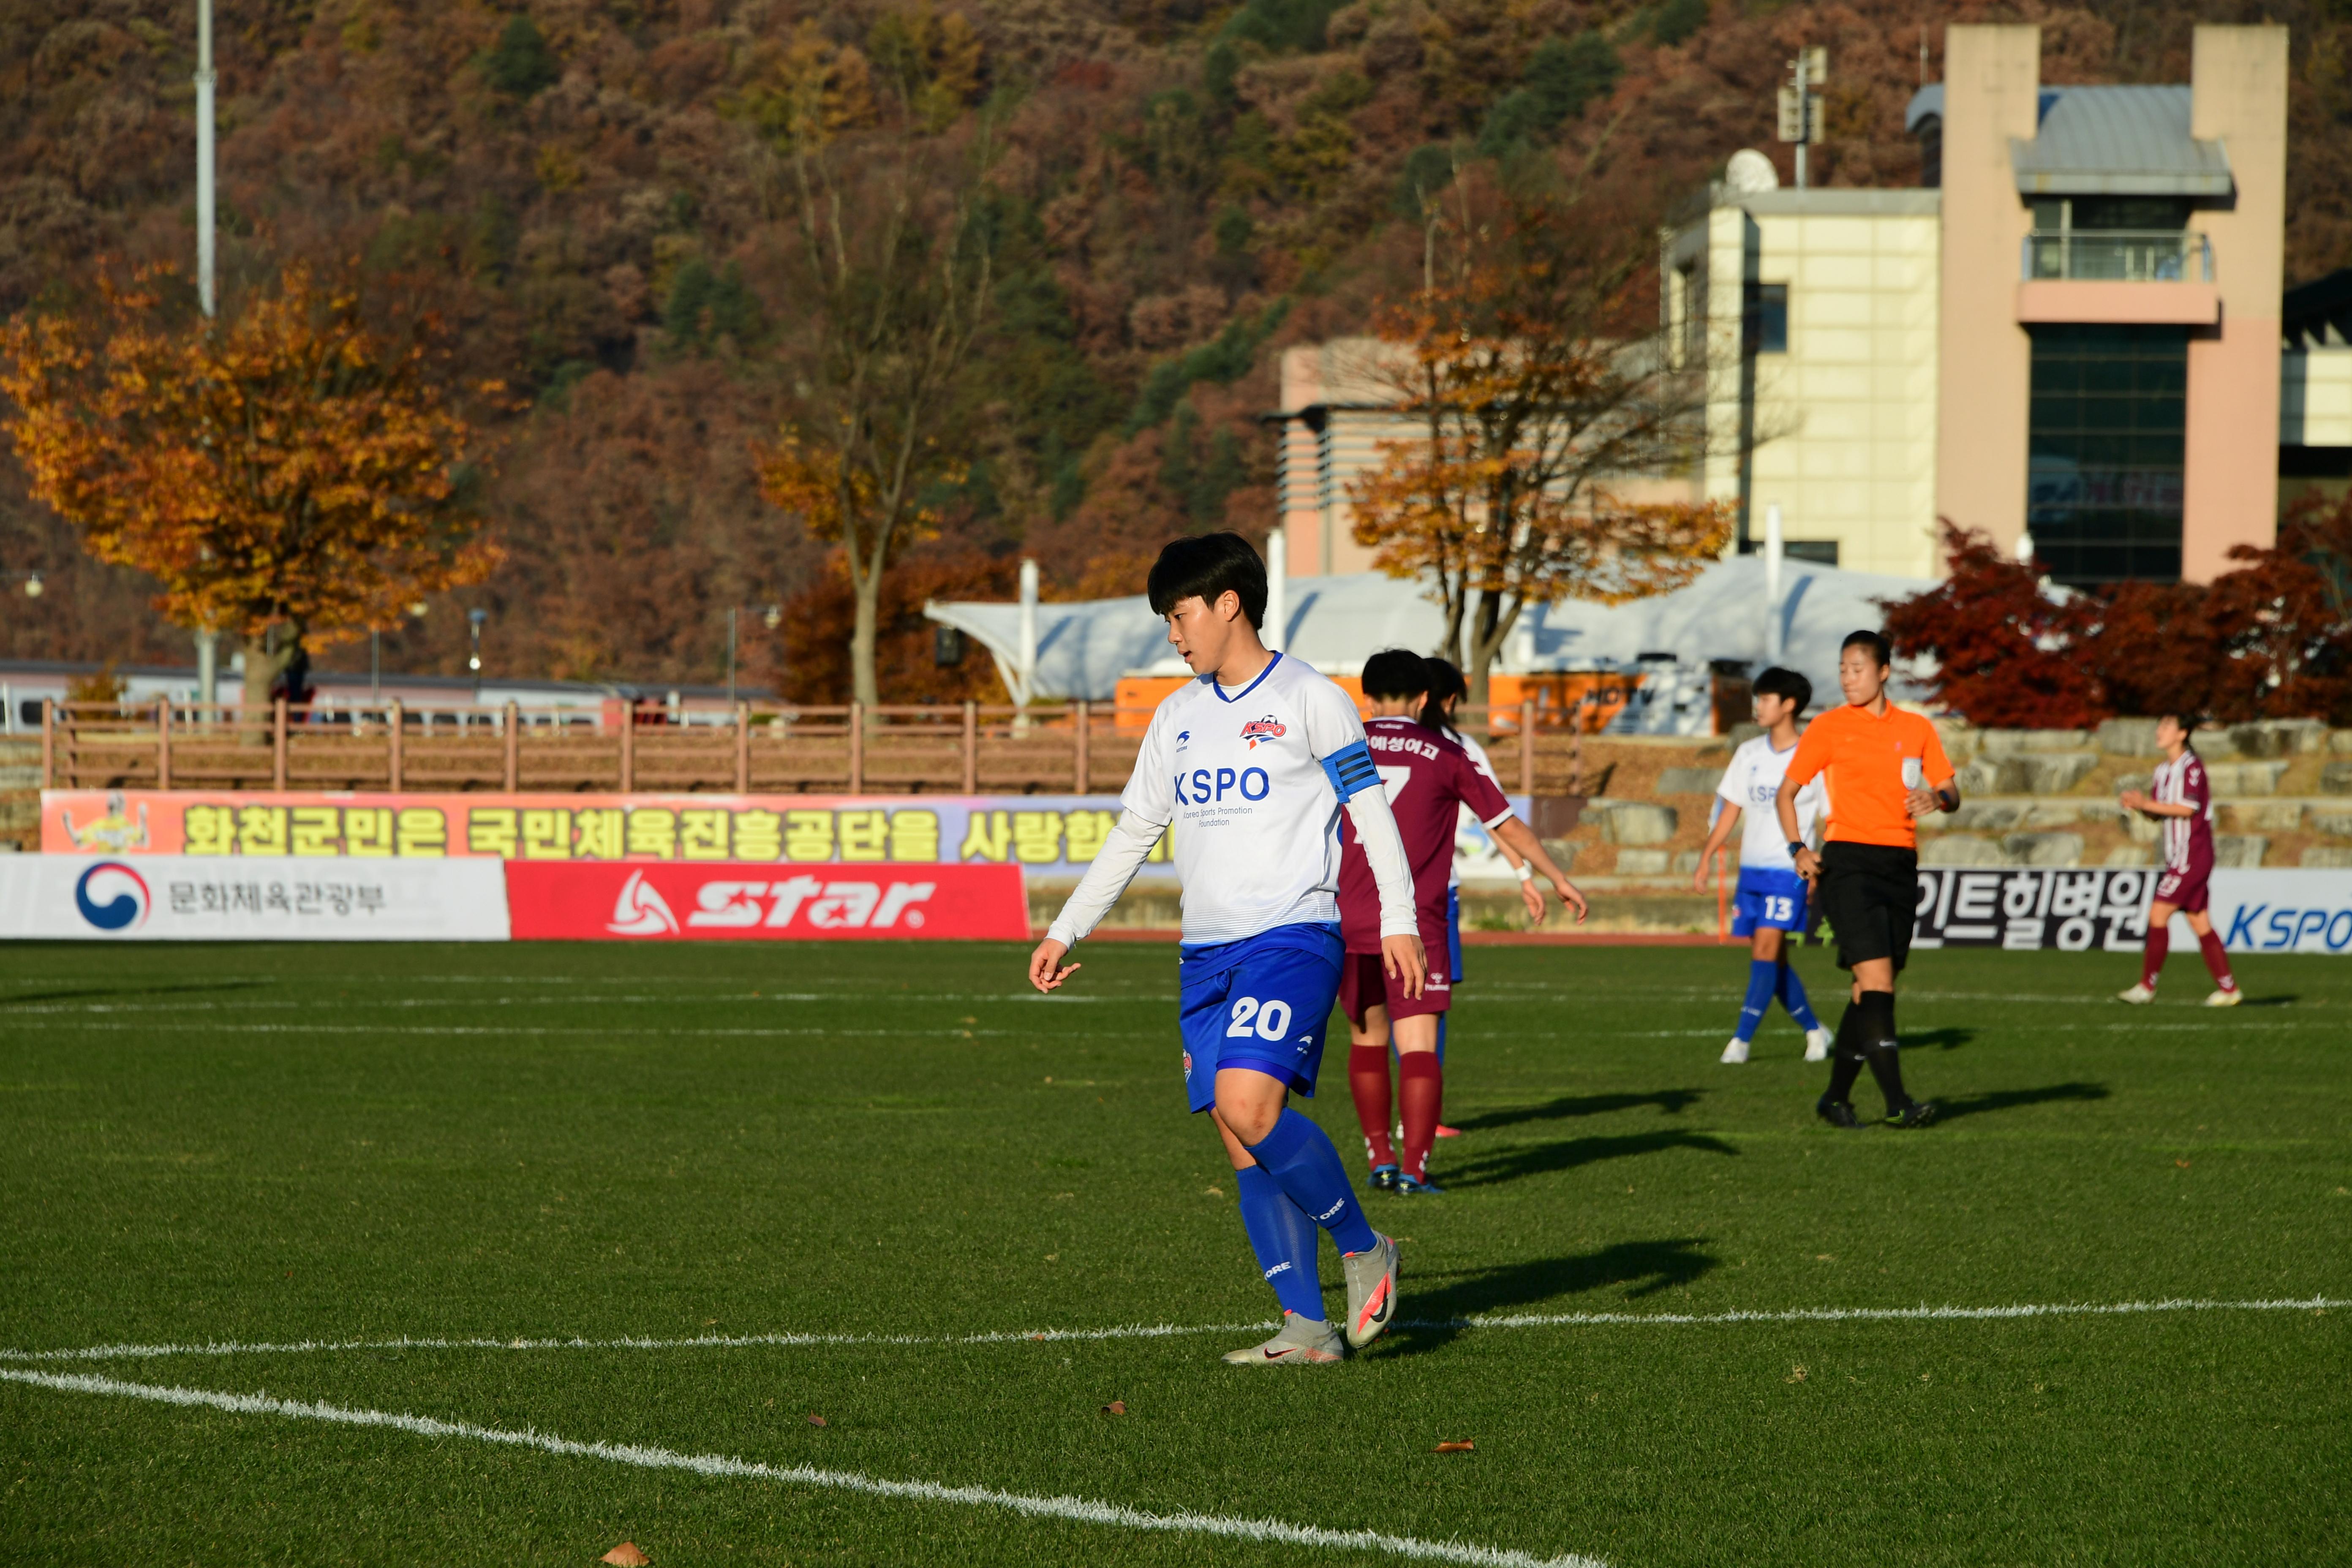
(1336, 623)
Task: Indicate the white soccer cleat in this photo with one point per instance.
(2229, 998)
(2138, 995)
(1735, 1053)
(1817, 1045)
(1301, 1342)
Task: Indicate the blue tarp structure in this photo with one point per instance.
(1335, 623)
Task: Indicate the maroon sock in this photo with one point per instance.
(2209, 943)
(1368, 1081)
(2151, 964)
(1421, 1085)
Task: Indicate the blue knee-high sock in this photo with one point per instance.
(1299, 1157)
(1793, 996)
(1284, 1240)
(1759, 996)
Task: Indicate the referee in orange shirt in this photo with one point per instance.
(1885, 768)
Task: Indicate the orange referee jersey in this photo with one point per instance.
(1862, 753)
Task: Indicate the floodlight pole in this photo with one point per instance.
(1773, 548)
(731, 656)
(204, 288)
(1804, 119)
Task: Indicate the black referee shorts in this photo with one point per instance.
(1869, 893)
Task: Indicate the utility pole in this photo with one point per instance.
(207, 638)
(1800, 102)
(204, 288)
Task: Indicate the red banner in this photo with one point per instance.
(759, 901)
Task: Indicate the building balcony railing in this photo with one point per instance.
(2118, 255)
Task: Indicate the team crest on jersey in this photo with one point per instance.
(1258, 730)
(1184, 739)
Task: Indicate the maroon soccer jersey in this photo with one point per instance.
(2188, 840)
(1429, 778)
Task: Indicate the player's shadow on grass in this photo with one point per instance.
(2011, 1099)
(1511, 1165)
(1672, 1101)
(1432, 1317)
(91, 992)
(1938, 1039)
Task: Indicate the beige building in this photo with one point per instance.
(2073, 331)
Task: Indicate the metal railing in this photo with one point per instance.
(2118, 255)
(1077, 748)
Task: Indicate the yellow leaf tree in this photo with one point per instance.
(1540, 400)
(897, 275)
(290, 476)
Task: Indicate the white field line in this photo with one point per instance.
(256, 1005)
(1076, 1510)
(1175, 1331)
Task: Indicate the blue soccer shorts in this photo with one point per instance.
(1261, 1003)
(1768, 897)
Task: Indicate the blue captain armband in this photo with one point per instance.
(1350, 770)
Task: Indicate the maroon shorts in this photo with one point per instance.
(2185, 888)
(1364, 984)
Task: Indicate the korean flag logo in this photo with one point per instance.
(113, 897)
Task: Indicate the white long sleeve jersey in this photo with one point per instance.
(1251, 782)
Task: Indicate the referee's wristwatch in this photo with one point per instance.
(1797, 846)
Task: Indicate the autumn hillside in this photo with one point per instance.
(596, 196)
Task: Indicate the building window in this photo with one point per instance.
(2104, 483)
(1764, 319)
(1820, 552)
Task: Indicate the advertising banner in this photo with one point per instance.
(1047, 835)
(172, 898)
(2106, 909)
(757, 902)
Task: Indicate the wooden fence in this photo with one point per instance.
(1077, 748)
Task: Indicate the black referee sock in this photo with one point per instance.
(1846, 1060)
(1880, 1047)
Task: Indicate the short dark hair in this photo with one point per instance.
(1206, 567)
(1788, 683)
(1874, 641)
(1394, 672)
(2187, 718)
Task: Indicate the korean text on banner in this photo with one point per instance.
(173, 898)
(2106, 909)
(753, 902)
(1047, 834)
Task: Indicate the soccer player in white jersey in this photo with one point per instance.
(1249, 766)
(1769, 905)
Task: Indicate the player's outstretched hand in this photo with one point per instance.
(1406, 962)
(1532, 898)
(1046, 970)
(1572, 898)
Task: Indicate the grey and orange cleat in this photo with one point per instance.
(1372, 1290)
(1303, 1341)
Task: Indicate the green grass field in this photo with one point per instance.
(273, 1145)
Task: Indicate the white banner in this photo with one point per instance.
(179, 898)
(2282, 912)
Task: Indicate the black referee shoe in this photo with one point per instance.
(1919, 1113)
(1837, 1112)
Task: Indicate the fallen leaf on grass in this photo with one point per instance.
(626, 1555)
(1115, 1407)
(1796, 1375)
(2182, 1163)
(819, 1421)
(1465, 1446)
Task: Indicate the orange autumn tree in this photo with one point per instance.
(289, 475)
(1538, 401)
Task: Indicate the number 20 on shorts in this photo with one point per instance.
(1272, 1019)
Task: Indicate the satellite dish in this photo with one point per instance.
(1750, 173)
